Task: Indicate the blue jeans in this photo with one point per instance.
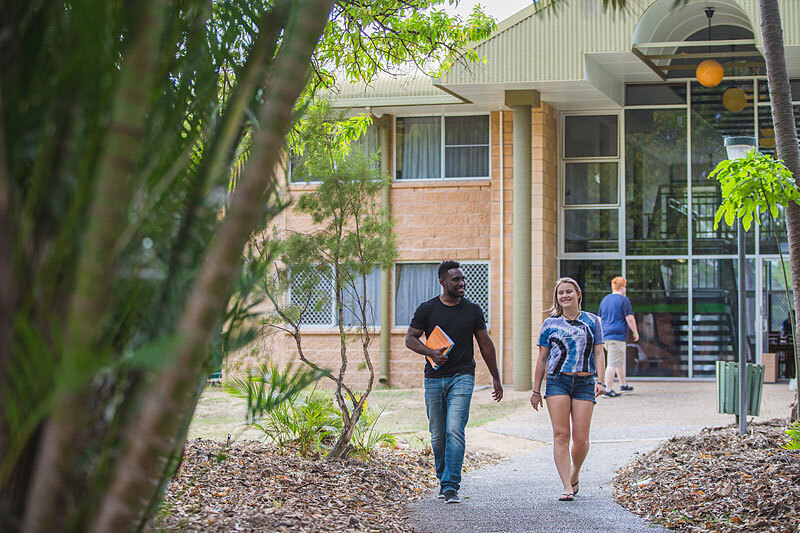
(447, 401)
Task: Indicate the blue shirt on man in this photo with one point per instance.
(613, 310)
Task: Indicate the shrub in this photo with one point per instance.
(366, 437)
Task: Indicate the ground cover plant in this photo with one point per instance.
(307, 423)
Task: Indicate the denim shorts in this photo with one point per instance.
(577, 387)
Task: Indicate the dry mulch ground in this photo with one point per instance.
(250, 486)
(717, 481)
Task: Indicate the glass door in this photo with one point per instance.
(777, 334)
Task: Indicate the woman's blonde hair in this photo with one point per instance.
(556, 309)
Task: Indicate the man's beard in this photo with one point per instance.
(452, 294)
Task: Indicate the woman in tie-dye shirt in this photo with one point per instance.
(571, 351)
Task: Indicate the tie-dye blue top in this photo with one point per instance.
(571, 342)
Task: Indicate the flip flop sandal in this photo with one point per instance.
(566, 497)
(574, 490)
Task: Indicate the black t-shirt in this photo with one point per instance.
(460, 322)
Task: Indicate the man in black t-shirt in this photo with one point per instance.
(448, 389)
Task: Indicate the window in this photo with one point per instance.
(418, 282)
(656, 193)
(594, 277)
(436, 147)
(369, 143)
(590, 136)
(711, 122)
(655, 94)
(314, 291)
(591, 184)
(590, 230)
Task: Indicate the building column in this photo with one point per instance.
(522, 103)
(385, 124)
(522, 248)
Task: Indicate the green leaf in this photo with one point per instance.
(747, 220)
(730, 217)
(718, 216)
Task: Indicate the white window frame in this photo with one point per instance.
(488, 312)
(442, 146)
(562, 183)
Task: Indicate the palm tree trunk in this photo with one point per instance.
(96, 270)
(785, 139)
(153, 433)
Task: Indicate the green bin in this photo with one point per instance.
(728, 387)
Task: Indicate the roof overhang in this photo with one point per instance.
(528, 52)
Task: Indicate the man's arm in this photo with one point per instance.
(490, 358)
(415, 344)
(632, 324)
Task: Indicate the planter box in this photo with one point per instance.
(728, 387)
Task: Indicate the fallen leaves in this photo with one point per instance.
(717, 481)
(250, 486)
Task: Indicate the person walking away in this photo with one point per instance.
(448, 388)
(616, 317)
(571, 351)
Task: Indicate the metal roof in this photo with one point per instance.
(403, 89)
(542, 45)
(575, 53)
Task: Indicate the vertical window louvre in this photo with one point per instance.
(591, 185)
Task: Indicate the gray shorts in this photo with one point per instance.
(616, 353)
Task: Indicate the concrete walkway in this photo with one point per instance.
(520, 495)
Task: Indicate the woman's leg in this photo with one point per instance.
(559, 409)
(581, 421)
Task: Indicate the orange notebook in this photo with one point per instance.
(438, 339)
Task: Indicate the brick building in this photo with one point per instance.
(584, 156)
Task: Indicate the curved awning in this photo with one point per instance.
(672, 41)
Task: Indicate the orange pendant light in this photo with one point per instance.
(734, 99)
(709, 72)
